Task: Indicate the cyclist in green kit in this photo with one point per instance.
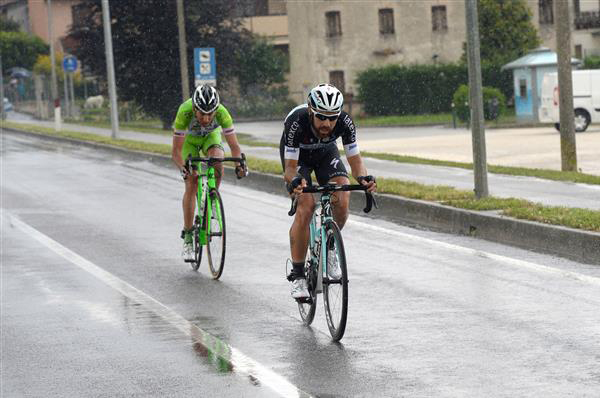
(197, 128)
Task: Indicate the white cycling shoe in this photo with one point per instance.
(300, 288)
(188, 251)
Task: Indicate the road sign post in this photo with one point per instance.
(70, 65)
(205, 66)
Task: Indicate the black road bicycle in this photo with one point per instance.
(325, 268)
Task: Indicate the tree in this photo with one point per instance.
(43, 67)
(145, 46)
(20, 49)
(506, 30)
(260, 64)
(8, 24)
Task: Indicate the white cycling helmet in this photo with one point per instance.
(325, 98)
(206, 98)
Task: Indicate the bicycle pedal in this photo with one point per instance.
(189, 261)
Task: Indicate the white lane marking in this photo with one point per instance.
(449, 246)
(241, 363)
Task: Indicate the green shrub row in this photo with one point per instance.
(418, 89)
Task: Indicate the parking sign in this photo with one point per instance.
(205, 66)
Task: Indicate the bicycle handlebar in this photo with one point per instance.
(333, 188)
(211, 160)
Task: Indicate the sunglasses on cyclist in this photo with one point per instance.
(331, 118)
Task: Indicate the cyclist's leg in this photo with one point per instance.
(213, 147)
(300, 230)
(331, 170)
(190, 147)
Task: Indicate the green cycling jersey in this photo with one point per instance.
(187, 124)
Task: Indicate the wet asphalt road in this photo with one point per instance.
(96, 302)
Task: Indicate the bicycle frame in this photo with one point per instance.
(317, 237)
(206, 182)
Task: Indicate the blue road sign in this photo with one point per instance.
(70, 63)
(205, 66)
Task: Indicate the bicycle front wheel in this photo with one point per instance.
(335, 282)
(215, 239)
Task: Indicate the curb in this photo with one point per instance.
(574, 244)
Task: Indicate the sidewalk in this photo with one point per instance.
(553, 193)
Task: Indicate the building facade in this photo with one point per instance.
(585, 25)
(333, 40)
(32, 16)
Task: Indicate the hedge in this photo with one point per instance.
(419, 89)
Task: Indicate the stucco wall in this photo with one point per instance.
(313, 55)
(61, 18)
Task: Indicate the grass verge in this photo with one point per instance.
(517, 208)
(555, 175)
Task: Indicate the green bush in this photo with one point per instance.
(591, 62)
(461, 102)
(420, 89)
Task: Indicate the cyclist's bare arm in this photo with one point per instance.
(178, 141)
(358, 170)
(291, 167)
(234, 146)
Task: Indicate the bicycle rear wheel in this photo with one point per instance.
(335, 287)
(197, 246)
(308, 306)
(215, 241)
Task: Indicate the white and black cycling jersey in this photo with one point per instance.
(298, 136)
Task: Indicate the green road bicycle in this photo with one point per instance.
(209, 222)
(323, 259)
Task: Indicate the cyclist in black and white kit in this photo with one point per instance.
(309, 144)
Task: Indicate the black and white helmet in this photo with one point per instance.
(206, 98)
(325, 98)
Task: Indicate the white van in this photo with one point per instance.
(586, 98)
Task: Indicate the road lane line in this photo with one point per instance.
(241, 363)
(449, 246)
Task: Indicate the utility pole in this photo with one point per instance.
(476, 101)
(185, 83)
(110, 69)
(66, 87)
(53, 85)
(2, 113)
(568, 150)
(72, 91)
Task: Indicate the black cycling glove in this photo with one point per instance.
(296, 181)
(185, 173)
(368, 178)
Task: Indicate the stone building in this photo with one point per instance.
(332, 40)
